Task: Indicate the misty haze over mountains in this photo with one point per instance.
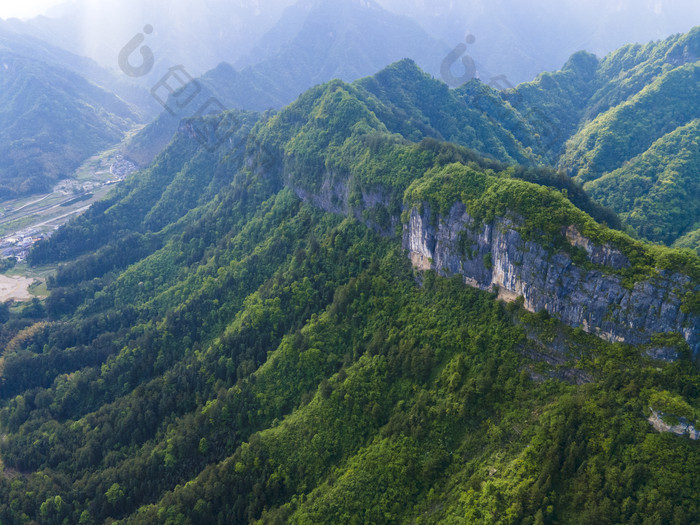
(199, 35)
(257, 55)
(517, 39)
(520, 39)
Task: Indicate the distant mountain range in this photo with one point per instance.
(51, 117)
(312, 43)
(198, 35)
(520, 39)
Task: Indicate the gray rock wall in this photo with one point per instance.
(495, 257)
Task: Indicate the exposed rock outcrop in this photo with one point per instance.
(682, 428)
(334, 196)
(495, 257)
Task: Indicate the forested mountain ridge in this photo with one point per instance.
(242, 355)
(343, 39)
(383, 103)
(611, 123)
(624, 126)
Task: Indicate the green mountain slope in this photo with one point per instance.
(418, 106)
(625, 126)
(629, 129)
(652, 191)
(690, 240)
(51, 119)
(264, 350)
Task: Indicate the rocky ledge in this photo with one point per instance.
(495, 257)
(681, 428)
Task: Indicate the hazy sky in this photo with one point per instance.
(25, 8)
(518, 38)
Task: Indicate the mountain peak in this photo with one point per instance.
(687, 49)
(583, 63)
(404, 70)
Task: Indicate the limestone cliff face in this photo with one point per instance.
(333, 196)
(495, 257)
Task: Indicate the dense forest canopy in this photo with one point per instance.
(236, 334)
